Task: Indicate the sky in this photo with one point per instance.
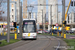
(59, 7)
(36, 2)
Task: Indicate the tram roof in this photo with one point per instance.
(29, 19)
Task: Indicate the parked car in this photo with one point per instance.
(55, 31)
(70, 31)
(39, 31)
(46, 31)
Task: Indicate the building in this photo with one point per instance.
(71, 20)
(41, 12)
(15, 11)
(59, 18)
(52, 12)
(34, 15)
(25, 9)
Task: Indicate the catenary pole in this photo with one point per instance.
(21, 20)
(8, 20)
(42, 21)
(63, 17)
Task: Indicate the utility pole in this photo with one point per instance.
(8, 20)
(45, 22)
(57, 19)
(63, 18)
(57, 13)
(72, 15)
(42, 21)
(51, 17)
(20, 19)
(44, 14)
(3, 25)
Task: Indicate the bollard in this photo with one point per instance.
(1, 33)
(57, 33)
(61, 34)
(52, 33)
(15, 33)
(64, 35)
(4, 33)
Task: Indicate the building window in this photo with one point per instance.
(68, 19)
(12, 5)
(12, 9)
(12, 16)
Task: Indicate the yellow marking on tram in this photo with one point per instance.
(28, 34)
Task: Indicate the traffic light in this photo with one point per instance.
(71, 3)
(15, 24)
(64, 23)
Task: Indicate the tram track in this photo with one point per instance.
(42, 43)
(49, 43)
(58, 45)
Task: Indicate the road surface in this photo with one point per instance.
(42, 43)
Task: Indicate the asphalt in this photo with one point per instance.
(42, 43)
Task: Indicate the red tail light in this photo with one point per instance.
(24, 36)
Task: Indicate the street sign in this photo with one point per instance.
(4, 26)
(17, 27)
(56, 24)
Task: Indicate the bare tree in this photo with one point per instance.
(3, 9)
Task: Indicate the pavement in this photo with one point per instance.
(42, 43)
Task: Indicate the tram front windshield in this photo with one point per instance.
(29, 27)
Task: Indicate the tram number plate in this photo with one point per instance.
(28, 34)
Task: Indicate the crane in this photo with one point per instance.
(67, 10)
